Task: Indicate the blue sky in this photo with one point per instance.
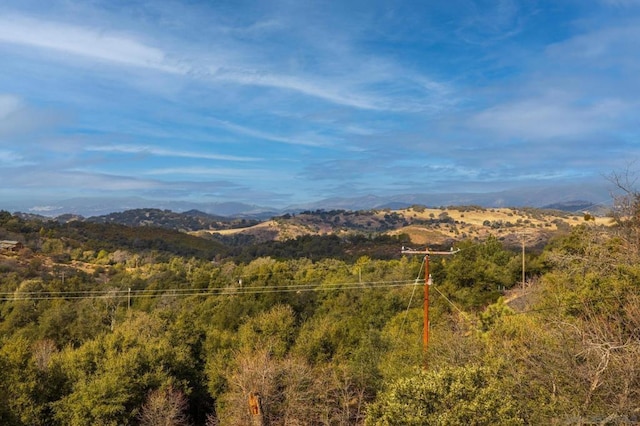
(283, 102)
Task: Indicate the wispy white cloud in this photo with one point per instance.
(12, 159)
(85, 42)
(488, 24)
(164, 152)
(310, 86)
(227, 172)
(11, 108)
(17, 118)
(355, 86)
(549, 118)
(600, 48)
(583, 87)
(8, 105)
(306, 140)
(39, 180)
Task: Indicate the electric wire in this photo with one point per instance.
(415, 286)
(248, 290)
(290, 288)
(218, 291)
(464, 314)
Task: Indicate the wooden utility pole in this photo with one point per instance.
(523, 262)
(425, 305)
(427, 282)
(255, 409)
(523, 238)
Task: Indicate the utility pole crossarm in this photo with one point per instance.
(427, 251)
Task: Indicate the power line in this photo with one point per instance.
(464, 314)
(180, 292)
(89, 292)
(406, 314)
(265, 289)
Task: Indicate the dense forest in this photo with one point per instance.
(105, 324)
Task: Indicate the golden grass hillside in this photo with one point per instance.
(425, 225)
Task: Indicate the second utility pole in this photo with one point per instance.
(427, 282)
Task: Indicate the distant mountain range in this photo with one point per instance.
(561, 198)
(439, 226)
(94, 207)
(192, 220)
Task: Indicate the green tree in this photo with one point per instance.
(27, 384)
(476, 276)
(109, 377)
(470, 395)
(273, 330)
